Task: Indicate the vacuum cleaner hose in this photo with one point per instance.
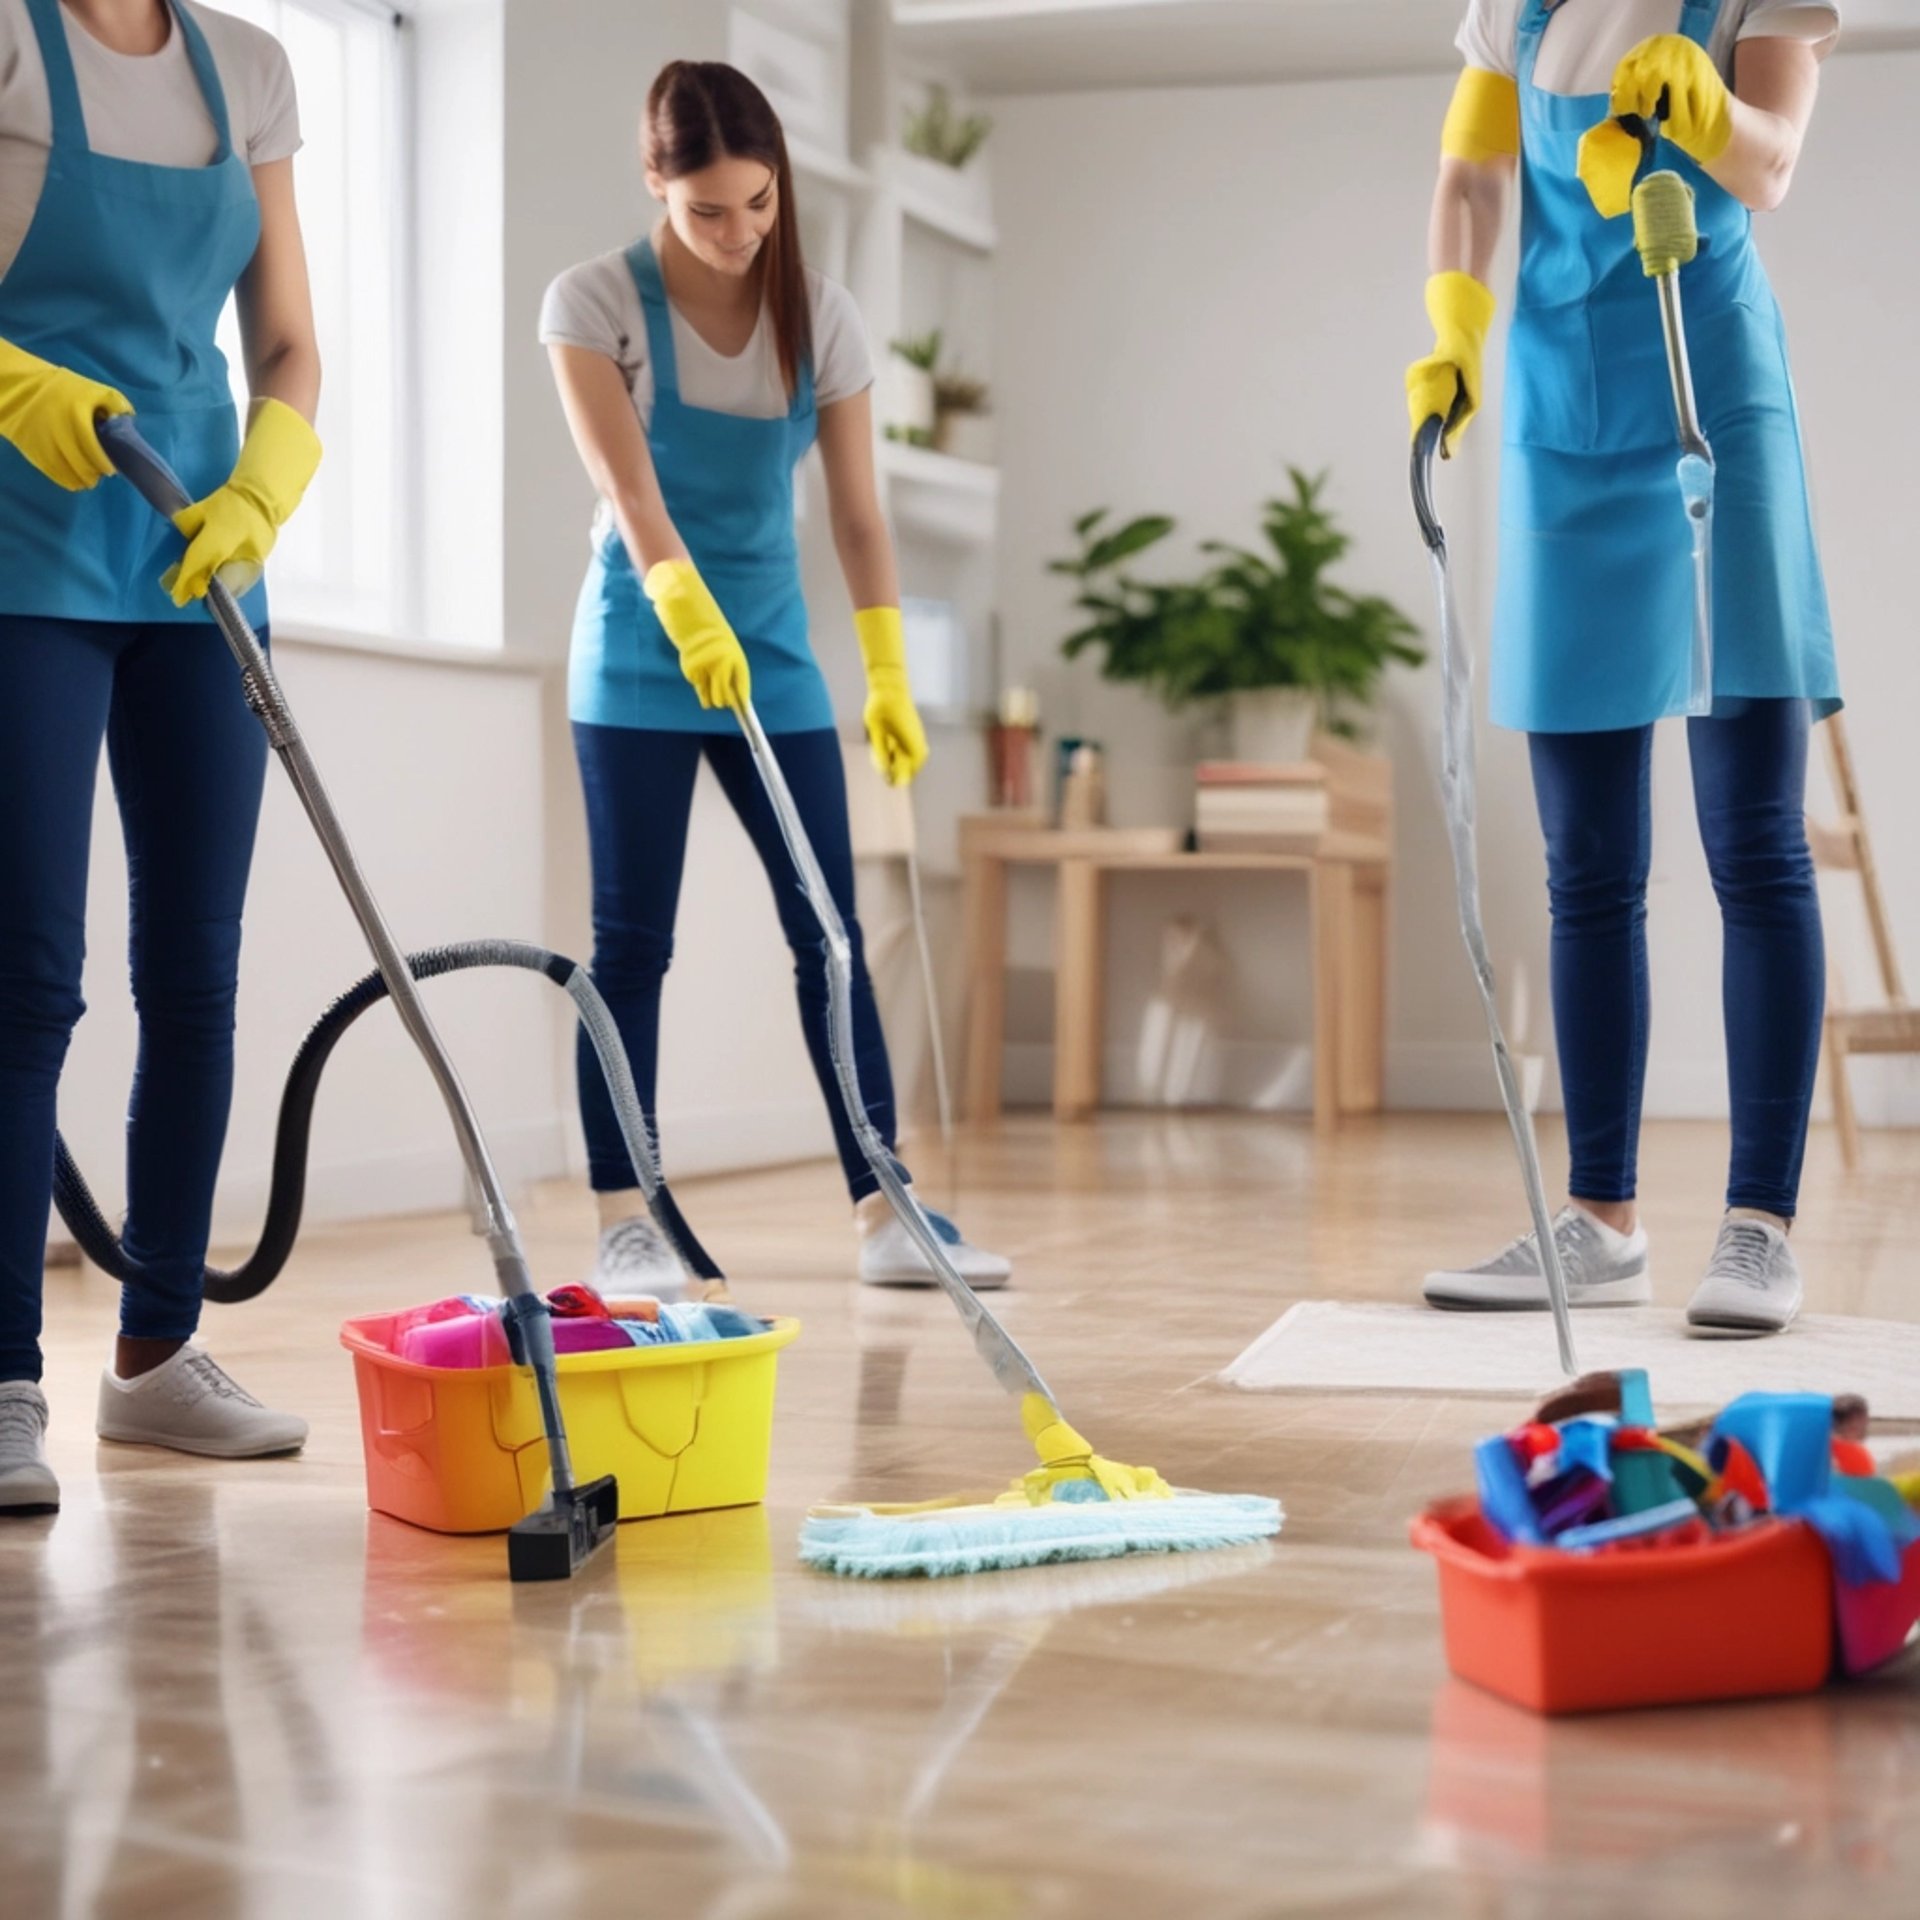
(287, 1192)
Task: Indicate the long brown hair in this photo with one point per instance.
(700, 112)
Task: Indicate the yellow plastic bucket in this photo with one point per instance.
(460, 1449)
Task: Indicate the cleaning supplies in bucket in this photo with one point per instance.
(466, 1330)
(1611, 1562)
(674, 1400)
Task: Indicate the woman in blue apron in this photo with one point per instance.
(109, 305)
(696, 369)
(1592, 629)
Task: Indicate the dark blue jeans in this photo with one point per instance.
(188, 760)
(639, 793)
(1749, 787)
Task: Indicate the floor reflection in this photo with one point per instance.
(1827, 1779)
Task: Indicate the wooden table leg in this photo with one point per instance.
(1329, 890)
(1363, 994)
(984, 916)
(1077, 991)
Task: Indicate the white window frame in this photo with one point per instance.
(382, 605)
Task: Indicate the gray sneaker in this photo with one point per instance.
(1752, 1283)
(27, 1484)
(634, 1259)
(1602, 1269)
(193, 1405)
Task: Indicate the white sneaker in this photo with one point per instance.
(1752, 1284)
(634, 1259)
(1602, 1268)
(192, 1404)
(27, 1484)
(889, 1257)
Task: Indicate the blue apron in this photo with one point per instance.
(122, 277)
(1593, 615)
(728, 483)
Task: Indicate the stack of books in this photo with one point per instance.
(1340, 794)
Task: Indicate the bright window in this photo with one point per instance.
(340, 562)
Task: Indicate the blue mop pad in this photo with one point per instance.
(880, 1543)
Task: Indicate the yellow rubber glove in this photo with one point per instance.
(1667, 71)
(894, 731)
(233, 529)
(1676, 70)
(1447, 381)
(1609, 159)
(711, 655)
(49, 412)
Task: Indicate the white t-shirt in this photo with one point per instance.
(597, 306)
(1586, 39)
(145, 107)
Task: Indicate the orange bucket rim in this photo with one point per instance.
(1433, 1533)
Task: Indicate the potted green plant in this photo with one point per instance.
(940, 155)
(963, 422)
(1264, 631)
(938, 131)
(911, 413)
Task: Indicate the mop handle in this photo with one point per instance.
(1667, 236)
(1457, 789)
(1011, 1367)
(160, 486)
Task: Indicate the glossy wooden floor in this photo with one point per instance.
(226, 1690)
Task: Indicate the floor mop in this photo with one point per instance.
(1458, 794)
(1075, 1505)
(575, 1521)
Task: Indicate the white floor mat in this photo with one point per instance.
(1331, 1346)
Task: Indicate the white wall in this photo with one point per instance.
(1200, 287)
(1845, 262)
(436, 773)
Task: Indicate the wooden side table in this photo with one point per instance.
(1346, 882)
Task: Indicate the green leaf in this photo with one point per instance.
(1135, 537)
(1249, 618)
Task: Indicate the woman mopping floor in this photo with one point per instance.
(696, 368)
(1594, 611)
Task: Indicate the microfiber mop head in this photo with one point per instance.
(1073, 1506)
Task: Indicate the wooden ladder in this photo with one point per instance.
(1844, 846)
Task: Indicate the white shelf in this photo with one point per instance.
(977, 236)
(913, 184)
(830, 169)
(956, 502)
(924, 467)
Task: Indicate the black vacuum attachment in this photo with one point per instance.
(557, 1540)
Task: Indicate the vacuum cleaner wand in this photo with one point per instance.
(1458, 791)
(554, 1542)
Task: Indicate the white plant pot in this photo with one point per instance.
(1273, 726)
(966, 436)
(909, 396)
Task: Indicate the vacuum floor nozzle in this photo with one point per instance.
(559, 1539)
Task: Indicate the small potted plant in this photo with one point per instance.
(941, 149)
(1265, 632)
(911, 411)
(963, 423)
